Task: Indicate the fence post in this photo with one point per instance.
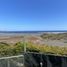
(8, 63)
(41, 64)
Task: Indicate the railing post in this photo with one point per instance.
(24, 52)
(24, 47)
(41, 64)
(8, 63)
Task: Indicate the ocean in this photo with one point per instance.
(13, 33)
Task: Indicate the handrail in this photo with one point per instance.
(12, 57)
(47, 54)
(31, 53)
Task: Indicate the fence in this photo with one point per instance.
(13, 61)
(34, 60)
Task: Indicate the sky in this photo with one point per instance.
(33, 15)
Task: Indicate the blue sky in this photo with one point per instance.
(24, 15)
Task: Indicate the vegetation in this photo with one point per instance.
(18, 48)
(52, 36)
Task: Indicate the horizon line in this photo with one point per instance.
(35, 31)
